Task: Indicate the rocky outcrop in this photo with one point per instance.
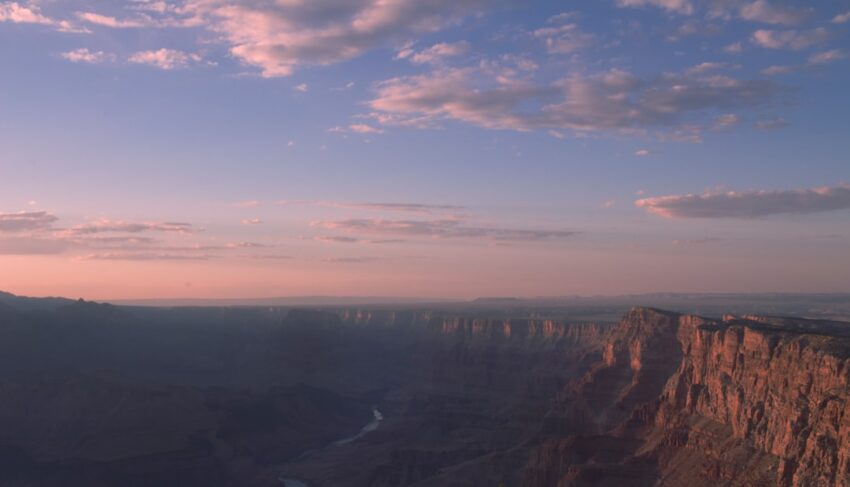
(681, 400)
(778, 387)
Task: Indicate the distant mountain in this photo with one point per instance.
(22, 303)
(284, 301)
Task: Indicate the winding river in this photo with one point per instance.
(371, 426)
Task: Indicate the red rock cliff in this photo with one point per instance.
(681, 400)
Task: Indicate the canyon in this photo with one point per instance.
(472, 395)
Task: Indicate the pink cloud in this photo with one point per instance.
(749, 204)
(166, 59)
(436, 53)
(86, 56)
(31, 14)
(278, 37)
(362, 128)
(791, 39)
(615, 101)
(107, 21)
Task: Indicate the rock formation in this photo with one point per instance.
(681, 400)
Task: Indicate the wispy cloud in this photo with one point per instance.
(115, 23)
(349, 260)
(26, 221)
(706, 67)
(166, 59)
(749, 204)
(358, 128)
(734, 48)
(28, 13)
(750, 10)
(565, 36)
(434, 54)
(145, 256)
(119, 226)
(335, 239)
(771, 123)
(826, 57)
(727, 120)
(677, 6)
(420, 208)
(362, 128)
(815, 60)
(84, 55)
(790, 39)
(441, 229)
(768, 13)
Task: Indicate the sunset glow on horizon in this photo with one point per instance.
(423, 148)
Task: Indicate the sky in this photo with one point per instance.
(423, 148)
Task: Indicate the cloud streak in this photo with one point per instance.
(440, 229)
(678, 6)
(26, 221)
(419, 208)
(749, 204)
(119, 226)
(146, 256)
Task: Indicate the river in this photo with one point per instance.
(370, 427)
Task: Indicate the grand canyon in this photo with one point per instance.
(424, 243)
(489, 392)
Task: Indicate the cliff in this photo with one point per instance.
(682, 400)
(520, 329)
(780, 387)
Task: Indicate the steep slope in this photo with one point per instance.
(681, 400)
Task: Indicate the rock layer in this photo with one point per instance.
(681, 400)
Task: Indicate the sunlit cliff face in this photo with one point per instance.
(208, 148)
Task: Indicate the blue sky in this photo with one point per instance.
(437, 148)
